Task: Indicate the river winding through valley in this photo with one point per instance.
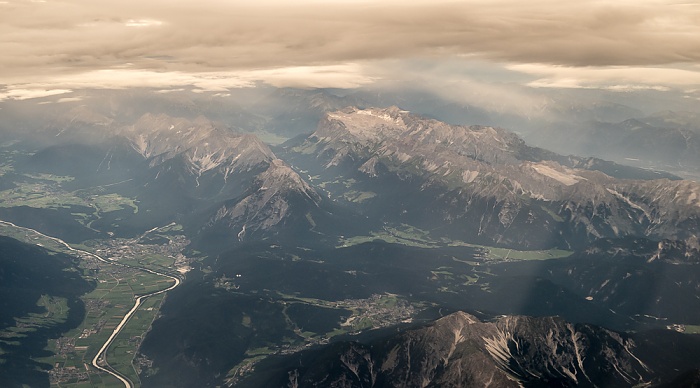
(101, 356)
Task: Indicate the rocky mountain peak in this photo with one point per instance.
(203, 145)
(457, 319)
(459, 350)
(492, 175)
(364, 125)
(279, 177)
(400, 135)
(276, 194)
(84, 115)
(155, 134)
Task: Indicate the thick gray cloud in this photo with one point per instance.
(42, 41)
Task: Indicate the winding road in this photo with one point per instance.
(101, 356)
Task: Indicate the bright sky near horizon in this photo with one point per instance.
(52, 46)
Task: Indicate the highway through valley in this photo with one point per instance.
(100, 359)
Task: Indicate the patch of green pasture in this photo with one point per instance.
(50, 177)
(358, 196)
(44, 196)
(259, 351)
(512, 254)
(406, 235)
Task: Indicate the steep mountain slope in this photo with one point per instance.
(205, 144)
(667, 140)
(461, 351)
(276, 195)
(239, 190)
(639, 278)
(640, 282)
(197, 157)
(484, 184)
(635, 139)
(674, 119)
(193, 172)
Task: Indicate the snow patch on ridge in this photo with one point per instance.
(630, 203)
(383, 116)
(469, 176)
(564, 178)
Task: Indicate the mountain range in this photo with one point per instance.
(522, 196)
(472, 218)
(461, 351)
(419, 171)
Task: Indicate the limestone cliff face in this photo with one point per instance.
(490, 175)
(268, 202)
(205, 173)
(461, 351)
(210, 162)
(200, 143)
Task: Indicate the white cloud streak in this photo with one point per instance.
(220, 44)
(613, 78)
(340, 76)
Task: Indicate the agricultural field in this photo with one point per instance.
(692, 329)
(115, 288)
(412, 236)
(105, 307)
(403, 234)
(44, 191)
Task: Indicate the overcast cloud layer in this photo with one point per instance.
(214, 45)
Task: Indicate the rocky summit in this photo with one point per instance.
(522, 196)
(459, 350)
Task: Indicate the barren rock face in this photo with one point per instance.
(461, 351)
(268, 202)
(489, 174)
